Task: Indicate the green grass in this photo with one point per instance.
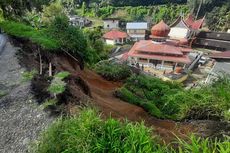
(28, 75)
(170, 100)
(88, 133)
(24, 31)
(49, 102)
(112, 71)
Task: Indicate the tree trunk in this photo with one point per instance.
(40, 61)
(198, 11)
(50, 69)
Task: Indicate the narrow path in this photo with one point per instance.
(102, 93)
(21, 120)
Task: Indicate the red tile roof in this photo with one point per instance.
(155, 50)
(223, 55)
(164, 48)
(194, 24)
(115, 34)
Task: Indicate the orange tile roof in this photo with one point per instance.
(115, 34)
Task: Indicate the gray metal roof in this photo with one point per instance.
(222, 67)
(137, 25)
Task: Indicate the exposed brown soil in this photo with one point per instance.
(102, 94)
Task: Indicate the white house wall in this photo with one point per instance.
(177, 32)
(110, 42)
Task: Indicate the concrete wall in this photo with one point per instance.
(111, 24)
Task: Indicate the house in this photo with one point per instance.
(213, 40)
(111, 23)
(185, 28)
(137, 30)
(79, 21)
(160, 52)
(115, 37)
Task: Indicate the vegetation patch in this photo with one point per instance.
(24, 31)
(28, 75)
(170, 100)
(2, 93)
(89, 133)
(49, 102)
(112, 71)
(62, 75)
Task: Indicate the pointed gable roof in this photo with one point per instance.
(194, 24)
(189, 22)
(178, 21)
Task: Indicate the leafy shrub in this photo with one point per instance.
(112, 71)
(57, 85)
(62, 75)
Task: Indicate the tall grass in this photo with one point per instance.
(88, 133)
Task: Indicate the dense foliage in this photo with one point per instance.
(138, 2)
(216, 11)
(167, 100)
(151, 93)
(112, 71)
(96, 44)
(89, 133)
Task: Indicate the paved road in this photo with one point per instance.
(21, 119)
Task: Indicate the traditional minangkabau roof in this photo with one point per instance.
(115, 34)
(222, 55)
(159, 51)
(194, 24)
(137, 25)
(178, 20)
(189, 22)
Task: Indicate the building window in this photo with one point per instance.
(108, 26)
